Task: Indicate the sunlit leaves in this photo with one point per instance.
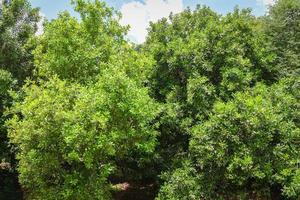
(253, 137)
(88, 108)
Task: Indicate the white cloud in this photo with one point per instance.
(267, 2)
(138, 15)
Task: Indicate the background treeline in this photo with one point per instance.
(207, 108)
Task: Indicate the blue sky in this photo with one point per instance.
(138, 13)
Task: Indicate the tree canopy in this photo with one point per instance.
(207, 108)
(282, 26)
(85, 111)
(18, 24)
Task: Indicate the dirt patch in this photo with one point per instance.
(135, 191)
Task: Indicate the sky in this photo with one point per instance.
(138, 13)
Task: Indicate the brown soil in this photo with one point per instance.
(135, 191)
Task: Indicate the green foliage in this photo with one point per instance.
(18, 23)
(201, 57)
(209, 101)
(244, 141)
(69, 135)
(181, 184)
(282, 25)
(17, 26)
(88, 109)
(251, 142)
(227, 51)
(6, 83)
(80, 50)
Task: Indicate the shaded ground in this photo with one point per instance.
(9, 186)
(135, 191)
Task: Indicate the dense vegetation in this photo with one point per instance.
(207, 108)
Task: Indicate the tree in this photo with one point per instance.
(282, 25)
(182, 183)
(9, 183)
(18, 24)
(69, 135)
(6, 83)
(79, 50)
(250, 145)
(87, 111)
(201, 57)
(209, 102)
